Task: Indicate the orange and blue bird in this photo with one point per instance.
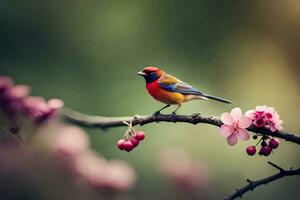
(169, 90)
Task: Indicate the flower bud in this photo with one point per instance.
(251, 150)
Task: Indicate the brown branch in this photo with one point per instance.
(253, 184)
(108, 122)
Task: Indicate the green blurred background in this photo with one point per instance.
(88, 52)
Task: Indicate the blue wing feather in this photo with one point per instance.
(181, 87)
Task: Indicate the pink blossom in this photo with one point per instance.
(70, 141)
(267, 117)
(91, 167)
(100, 173)
(234, 126)
(70, 147)
(5, 84)
(275, 124)
(183, 171)
(11, 97)
(55, 103)
(119, 176)
(38, 109)
(15, 100)
(19, 92)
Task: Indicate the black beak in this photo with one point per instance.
(141, 73)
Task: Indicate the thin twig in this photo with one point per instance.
(253, 184)
(108, 122)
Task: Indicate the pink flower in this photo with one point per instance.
(11, 97)
(19, 92)
(182, 170)
(275, 123)
(102, 174)
(16, 99)
(267, 117)
(38, 109)
(5, 84)
(71, 141)
(234, 127)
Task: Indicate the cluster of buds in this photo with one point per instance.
(267, 145)
(16, 99)
(131, 138)
(267, 117)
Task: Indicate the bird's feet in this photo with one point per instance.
(173, 116)
(155, 114)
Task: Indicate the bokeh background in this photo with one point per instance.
(87, 53)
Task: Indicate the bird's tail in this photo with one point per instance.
(218, 99)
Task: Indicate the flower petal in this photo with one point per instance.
(236, 114)
(226, 130)
(273, 128)
(245, 122)
(261, 108)
(226, 119)
(243, 134)
(250, 113)
(270, 110)
(232, 140)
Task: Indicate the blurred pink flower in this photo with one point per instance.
(19, 92)
(119, 175)
(267, 117)
(15, 100)
(70, 146)
(90, 167)
(184, 172)
(102, 174)
(39, 110)
(234, 126)
(71, 141)
(11, 97)
(5, 84)
(55, 104)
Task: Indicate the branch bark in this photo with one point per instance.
(253, 184)
(109, 122)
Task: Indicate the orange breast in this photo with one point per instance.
(164, 96)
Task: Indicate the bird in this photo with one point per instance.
(169, 90)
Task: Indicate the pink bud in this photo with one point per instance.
(251, 150)
(274, 143)
(140, 135)
(265, 150)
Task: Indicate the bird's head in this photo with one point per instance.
(150, 73)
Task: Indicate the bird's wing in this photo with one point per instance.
(173, 84)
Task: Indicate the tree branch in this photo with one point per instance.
(253, 184)
(108, 122)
